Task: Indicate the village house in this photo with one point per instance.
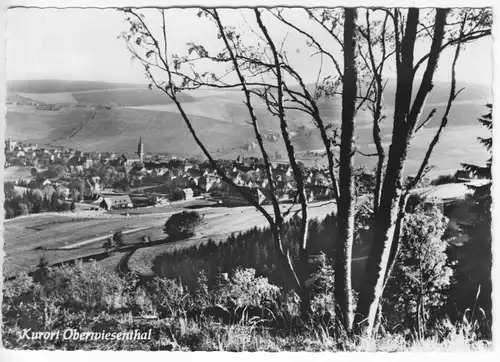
(63, 191)
(88, 163)
(19, 153)
(44, 160)
(116, 202)
(30, 155)
(159, 171)
(231, 197)
(187, 194)
(92, 187)
(321, 192)
(10, 145)
(207, 182)
(262, 183)
(236, 177)
(21, 190)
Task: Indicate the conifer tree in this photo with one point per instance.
(483, 193)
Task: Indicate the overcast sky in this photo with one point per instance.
(77, 44)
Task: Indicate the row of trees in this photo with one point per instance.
(250, 249)
(358, 44)
(34, 202)
(415, 294)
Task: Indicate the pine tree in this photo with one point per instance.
(483, 193)
(54, 201)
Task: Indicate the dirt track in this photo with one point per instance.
(80, 234)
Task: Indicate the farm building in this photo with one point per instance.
(321, 192)
(21, 190)
(187, 194)
(232, 197)
(116, 202)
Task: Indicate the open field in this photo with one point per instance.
(218, 224)
(127, 97)
(189, 204)
(229, 109)
(31, 125)
(25, 238)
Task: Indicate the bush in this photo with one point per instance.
(23, 209)
(182, 225)
(322, 286)
(245, 290)
(421, 274)
(118, 238)
(443, 179)
(168, 297)
(9, 213)
(89, 298)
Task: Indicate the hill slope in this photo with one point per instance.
(58, 86)
(118, 130)
(221, 119)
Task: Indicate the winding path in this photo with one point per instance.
(99, 238)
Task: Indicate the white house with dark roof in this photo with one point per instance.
(116, 202)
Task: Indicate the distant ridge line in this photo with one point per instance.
(61, 86)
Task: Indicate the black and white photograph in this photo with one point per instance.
(248, 178)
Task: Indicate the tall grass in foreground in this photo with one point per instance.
(241, 312)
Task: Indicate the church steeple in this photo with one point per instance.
(140, 149)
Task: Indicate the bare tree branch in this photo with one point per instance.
(312, 39)
(429, 117)
(444, 121)
(291, 153)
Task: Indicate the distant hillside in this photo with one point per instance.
(57, 86)
(222, 120)
(128, 97)
(118, 130)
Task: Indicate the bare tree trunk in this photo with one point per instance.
(385, 218)
(396, 245)
(347, 199)
(303, 262)
(405, 118)
(285, 264)
(380, 163)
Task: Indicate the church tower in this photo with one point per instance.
(9, 145)
(140, 149)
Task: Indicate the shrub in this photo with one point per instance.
(244, 289)
(443, 179)
(86, 287)
(182, 225)
(168, 297)
(421, 274)
(9, 213)
(321, 285)
(118, 238)
(23, 209)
